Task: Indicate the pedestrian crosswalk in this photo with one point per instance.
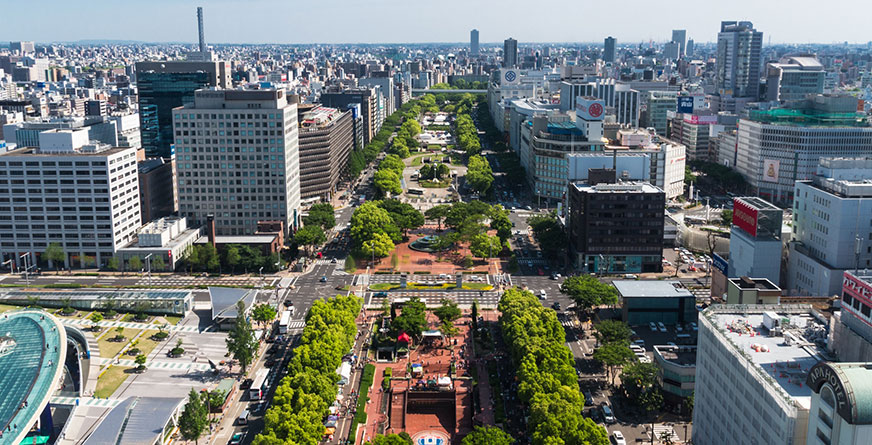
(534, 261)
(198, 281)
(154, 364)
(375, 299)
(296, 324)
(126, 324)
(85, 401)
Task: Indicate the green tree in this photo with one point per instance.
(386, 181)
(726, 217)
(404, 216)
(487, 435)
(96, 317)
(614, 356)
(310, 236)
(395, 261)
(55, 253)
(483, 245)
(412, 320)
(158, 263)
(391, 439)
(112, 263)
(448, 312)
(135, 263)
(194, 418)
(588, 292)
(638, 378)
(438, 213)
(232, 257)
(549, 233)
(370, 219)
(392, 163)
(140, 362)
(613, 331)
(380, 246)
(209, 256)
(192, 257)
(499, 221)
(240, 341)
(321, 214)
(350, 264)
(479, 174)
(263, 313)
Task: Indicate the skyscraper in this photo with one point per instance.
(737, 72)
(688, 51)
(680, 36)
(510, 53)
(245, 176)
(609, 49)
(473, 43)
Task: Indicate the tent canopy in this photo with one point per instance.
(404, 338)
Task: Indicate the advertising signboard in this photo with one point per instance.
(589, 108)
(745, 217)
(685, 104)
(770, 170)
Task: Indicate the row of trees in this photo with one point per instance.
(547, 383)
(479, 174)
(466, 134)
(387, 177)
(638, 380)
(468, 223)
(302, 398)
(360, 158)
(376, 226)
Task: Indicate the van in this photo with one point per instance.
(542, 294)
(243, 417)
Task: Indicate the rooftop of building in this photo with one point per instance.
(136, 420)
(35, 151)
(820, 110)
(684, 355)
(651, 289)
(239, 239)
(319, 117)
(620, 187)
(758, 203)
(31, 356)
(783, 356)
(746, 283)
(150, 164)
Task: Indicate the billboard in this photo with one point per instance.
(745, 217)
(720, 264)
(685, 104)
(589, 108)
(770, 170)
(696, 119)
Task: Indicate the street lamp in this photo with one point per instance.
(26, 279)
(260, 271)
(148, 265)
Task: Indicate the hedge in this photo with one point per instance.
(360, 415)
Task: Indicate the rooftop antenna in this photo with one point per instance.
(200, 29)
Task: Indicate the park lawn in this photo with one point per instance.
(435, 185)
(146, 344)
(109, 349)
(384, 286)
(127, 317)
(172, 319)
(7, 307)
(477, 286)
(110, 381)
(418, 161)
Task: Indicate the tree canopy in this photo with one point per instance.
(241, 343)
(549, 233)
(588, 292)
(479, 174)
(487, 435)
(194, 418)
(404, 216)
(613, 331)
(448, 312)
(387, 181)
(322, 215)
(371, 224)
(412, 320)
(614, 356)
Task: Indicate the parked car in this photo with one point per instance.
(236, 439)
(653, 326)
(588, 398)
(661, 326)
(678, 328)
(543, 295)
(608, 415)
(323, 279)
(556, 305)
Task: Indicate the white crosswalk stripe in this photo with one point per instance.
(85, 401)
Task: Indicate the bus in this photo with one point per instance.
(416, 192)
(258, 386)
(283, 322)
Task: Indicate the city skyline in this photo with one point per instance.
(255, 24)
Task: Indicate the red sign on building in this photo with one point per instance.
(745, 217)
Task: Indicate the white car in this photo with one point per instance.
(678, 328)
(618, 438)
(653, 326)
(661, 326)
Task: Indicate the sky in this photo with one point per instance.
(405, 21)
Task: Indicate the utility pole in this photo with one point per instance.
(148, 265)
(26, 278)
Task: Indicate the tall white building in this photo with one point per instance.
(237, 156)
(831, 226)
(81, 195)
(737, 72)
(752, 363)
(776, 148)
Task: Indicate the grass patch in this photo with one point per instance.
(128, 317)
(418, 161)
(384, 286)
(109, 349)
(477, 286)
(7, 307)
(360, 415)
(436, 147)
(435, 185)
(146, 344)
(172, 319)
(110, 381)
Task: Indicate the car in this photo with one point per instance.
(555, 276)
(273, 349)
(634, 347)
(608, 415)
(381, 295)
(288, 302)
(333, 261)
(618, 438)
(236, 439)
(539, 253)
(652, 326)
(661, 327)
(640, 343)
(530, 263)
(588, 398)
(323, 279)
(528, 207)
(678, 328)
(543, 295)
(671, 344)
(630, 276)
(270, 363)
(556, 305)
(246, 384)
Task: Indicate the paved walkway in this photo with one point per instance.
(127, 324)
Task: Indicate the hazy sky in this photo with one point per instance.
(376, 21)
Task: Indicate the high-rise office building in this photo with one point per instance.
(510, 53)
(830, 226)
(672, 50)
(325, 144)
(658, 103)
(794, 78)
(689, 49)
(90, 216)
(366, 97)
(247, 168)
(473, 43)
(737, 72)
(21, 48)
(609, 49)
(163, 86)
(752, 362)
(778, 147)
(679, 36)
